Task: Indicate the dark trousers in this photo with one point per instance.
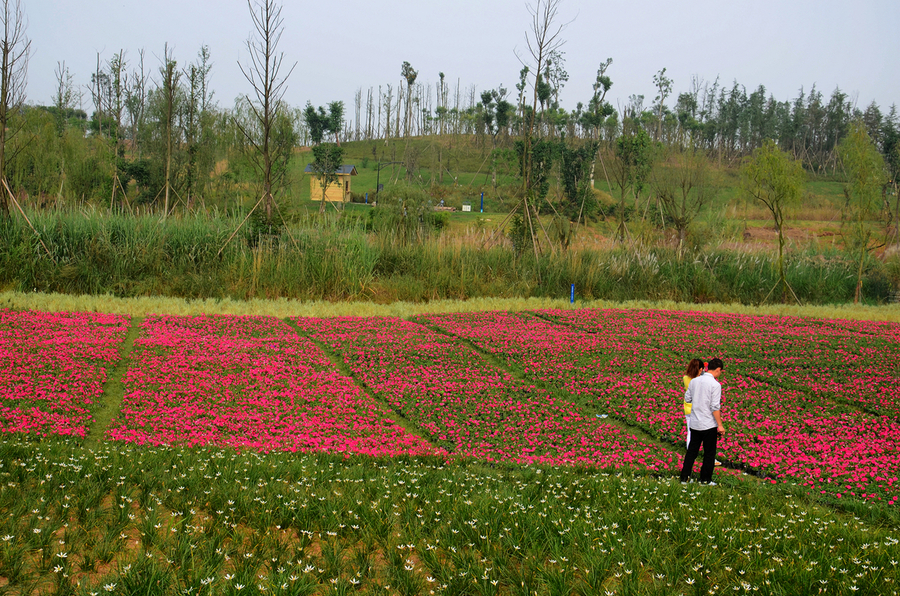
(707, 439)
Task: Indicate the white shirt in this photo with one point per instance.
(704, 393)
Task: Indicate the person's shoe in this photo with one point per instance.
(710, 483)
(718, 463)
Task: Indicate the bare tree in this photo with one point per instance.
(543, 39)
(65, 98)
(14, 51)
(135, 88)
(171, 78)
(264, 73)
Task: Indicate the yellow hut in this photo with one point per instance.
(337, 192)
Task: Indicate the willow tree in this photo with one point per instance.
(775, 179)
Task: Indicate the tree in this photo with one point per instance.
(663, 86)
(169, 89)
(64, 98)
(495, 114)
(632, 163)
(683, 186)
(865, 172)
(409, 74)
(135, 89)
(266, 106)
(575, 166)
(543, 40)
(196, 124)
(319, 122)
(598, 109)
(14, 51)
(326, 161)
(775, 179)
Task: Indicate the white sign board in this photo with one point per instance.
(467, 207)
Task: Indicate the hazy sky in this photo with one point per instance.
(342, 46)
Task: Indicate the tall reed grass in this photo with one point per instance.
(140, 256)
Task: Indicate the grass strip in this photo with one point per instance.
(114, 388)
(282, 308)
(345, 370)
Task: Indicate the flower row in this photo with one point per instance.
(248, 382)
(603, 360)
(478, 410)
(54, 368)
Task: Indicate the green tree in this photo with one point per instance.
(327, 158)
(683, 185)
(544, 40)
(775, 179)
(865, 173)
(663, 86)
(196, 126)
(631, 166)
(575, 165)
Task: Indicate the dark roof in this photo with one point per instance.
(345, 169)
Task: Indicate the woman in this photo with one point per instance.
(695, 367)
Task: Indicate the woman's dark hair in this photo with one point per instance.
(694, 368)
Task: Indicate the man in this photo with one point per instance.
(704, 393)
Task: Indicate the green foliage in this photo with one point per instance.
(773, 177)
(575, 171)
(519, 235)
(634, 161)
(539, 162)
(405, 215)
(327, 158)
(865, 171)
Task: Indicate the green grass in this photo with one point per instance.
(129, 520)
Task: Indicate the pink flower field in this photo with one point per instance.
(54, 367)
(248, 382)
(809, 401)
(788, 413)
(460, 399)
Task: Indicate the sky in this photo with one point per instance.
(343, 46)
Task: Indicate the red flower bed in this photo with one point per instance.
(781, 422)
(248, 382)
(457, 396)
(54, 367)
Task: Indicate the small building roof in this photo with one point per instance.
(345, 169)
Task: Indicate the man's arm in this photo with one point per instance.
(716, 404)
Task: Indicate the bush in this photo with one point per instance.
(406, 215)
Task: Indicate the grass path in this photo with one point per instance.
(113, 389)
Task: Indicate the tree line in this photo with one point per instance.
(155, 133)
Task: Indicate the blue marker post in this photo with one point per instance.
(367, 198)
(572, 294)
(482, 202)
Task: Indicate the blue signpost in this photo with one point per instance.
(572, 294)
(482, 202)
